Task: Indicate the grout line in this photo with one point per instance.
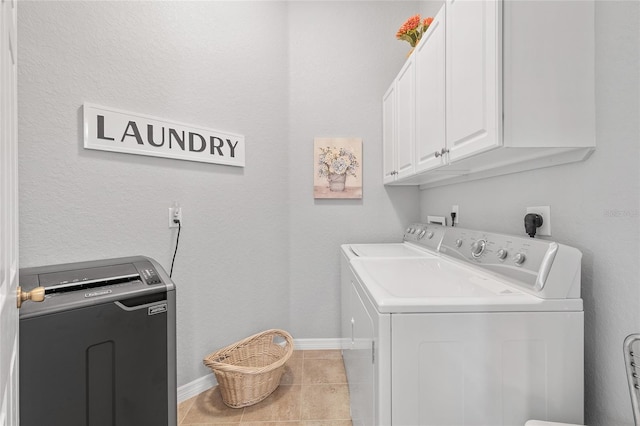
(301, 388)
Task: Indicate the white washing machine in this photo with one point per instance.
(420, 240)
(488, 332)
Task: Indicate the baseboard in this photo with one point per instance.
(196, 387)
(314, 344)
(204, 383)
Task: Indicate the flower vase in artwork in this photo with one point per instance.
(334, 164)
(336, 181)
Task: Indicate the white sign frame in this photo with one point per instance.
(111, 129)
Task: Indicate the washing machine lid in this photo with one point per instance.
(419, 240)
(388, 250)
(425, 285)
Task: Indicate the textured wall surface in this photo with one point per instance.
(256, 251)
(595, 206)
(342, 60)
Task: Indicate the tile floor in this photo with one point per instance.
(313, 392)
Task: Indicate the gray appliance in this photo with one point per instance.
(100, 350)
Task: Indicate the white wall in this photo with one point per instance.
(256, 251)
(595, 206)
(343, 57)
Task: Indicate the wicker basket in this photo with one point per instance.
(250, 370)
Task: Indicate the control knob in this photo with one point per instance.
(458, 243)
(421, 234)
(519, 258)
(502, 254)
(478, 247)
(430, 234)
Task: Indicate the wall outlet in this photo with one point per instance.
(545, 212)
(454, 209)
(175, 213)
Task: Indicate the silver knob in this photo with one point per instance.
(502, 254)
(519, 258)
(458, 243)
(441, 153)
(478, 247)
(430, 234)
(421, 234)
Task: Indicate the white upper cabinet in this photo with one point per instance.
(389, 134)
(398, 125)
(405, 119)
(498, 87)
(430, 94)
(472, 77)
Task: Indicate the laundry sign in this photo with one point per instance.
(110, 129)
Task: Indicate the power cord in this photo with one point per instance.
(177, 242)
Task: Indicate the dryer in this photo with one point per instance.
(488, 332)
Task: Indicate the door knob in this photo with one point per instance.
(35, 295)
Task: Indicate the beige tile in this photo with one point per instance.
(284, 404)
(297, 354)
(208, 408)
(184, 407)
(323, 353)
(321, 370)
(313, 392)
(325, 402)
(292, 374)
(214, 424)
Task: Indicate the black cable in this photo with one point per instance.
(176, 251)
(453, 218)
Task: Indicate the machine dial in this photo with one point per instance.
(458, 243)
(502, 254)
(519, 258)
(421, 234)
(478, 247)
(430, 234)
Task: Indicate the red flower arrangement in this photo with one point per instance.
(412, 30)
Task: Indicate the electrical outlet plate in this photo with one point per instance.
(175, 212)
(545, 212)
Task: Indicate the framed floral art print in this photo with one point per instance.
(337, 168)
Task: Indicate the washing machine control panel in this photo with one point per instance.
(524, 259)
(425, 235)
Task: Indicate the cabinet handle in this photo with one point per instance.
(441, 153)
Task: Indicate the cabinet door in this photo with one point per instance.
(360, 368)
(473, 73)
(405, 116)
(430, 95)
(389, 134)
